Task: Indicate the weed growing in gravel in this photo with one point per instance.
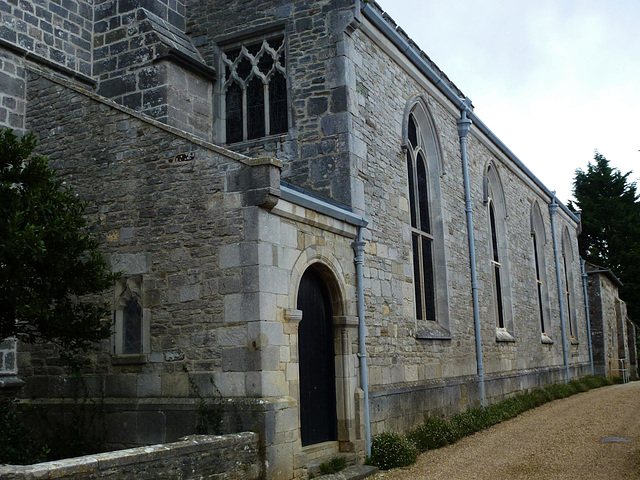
(390, 450)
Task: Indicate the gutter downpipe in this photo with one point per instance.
(358, 249)
(553, 208)
(464, 124)
(586, 307)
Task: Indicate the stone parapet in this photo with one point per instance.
(194, 457)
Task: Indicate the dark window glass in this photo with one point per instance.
(496, 273)
(494, 237)
(132, 327)
(423, 195)
(255, 109)
(416, 275)
(254, 118)
(265, 63)
(278, 104)
(413, 134)
(427, 265)
(412, 193)
(568, 293)
(244, 68)
(538, 281)
(234, 113)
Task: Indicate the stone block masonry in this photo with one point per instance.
(232, 457)
(58, 31)
(12, 93)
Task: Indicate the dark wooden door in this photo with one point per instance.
(318, 417)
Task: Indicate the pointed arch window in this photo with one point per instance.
(421, 235)
(496, 268)
(498, 254)
(255, 89)
(539, 240)
(567, 261)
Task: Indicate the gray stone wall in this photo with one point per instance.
(397, 358)
(315, 151)
(59, 31)
(232, 457)
(144, 61)
(156, 197)
(12, 95)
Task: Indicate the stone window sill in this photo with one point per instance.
(10, 381)
(257, 142)
(135, 359)
(544, 338)
(428, 330)
(503, 336)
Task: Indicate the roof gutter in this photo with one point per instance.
(374, 17)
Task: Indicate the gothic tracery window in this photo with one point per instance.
(255, 89)
(498, 254)
(421, 236)
(539, 240)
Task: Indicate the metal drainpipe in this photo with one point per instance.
(586, 307)
(464, 124)
(553, 208)
(358, 249)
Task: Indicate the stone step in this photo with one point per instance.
(354, 472)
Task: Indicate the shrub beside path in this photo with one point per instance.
(559, 440)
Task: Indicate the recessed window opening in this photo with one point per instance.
(567, 293)
(538, 281)
(255, 89)
(421, 234)
(496, 268)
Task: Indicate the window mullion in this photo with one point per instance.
(245, 113)
(267, 126)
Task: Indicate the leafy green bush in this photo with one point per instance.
(389, 450)
(434, 433)
(579, 385)
(560, 390)
(16, 445)
(595, 381)
(470, 422)
(333, 466)
(540, 396)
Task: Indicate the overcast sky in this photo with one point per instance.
(553, 79)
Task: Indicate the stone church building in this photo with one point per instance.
(315, 230)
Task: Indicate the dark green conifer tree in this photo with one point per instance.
(610, 225)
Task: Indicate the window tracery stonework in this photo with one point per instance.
(255, 89)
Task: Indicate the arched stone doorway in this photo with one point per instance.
(316, 356)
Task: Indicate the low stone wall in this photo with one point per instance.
(403, 408)
(228, 457)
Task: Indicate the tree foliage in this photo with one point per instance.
(49, 260)
(610, 225)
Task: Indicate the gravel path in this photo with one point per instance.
(559, 440)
